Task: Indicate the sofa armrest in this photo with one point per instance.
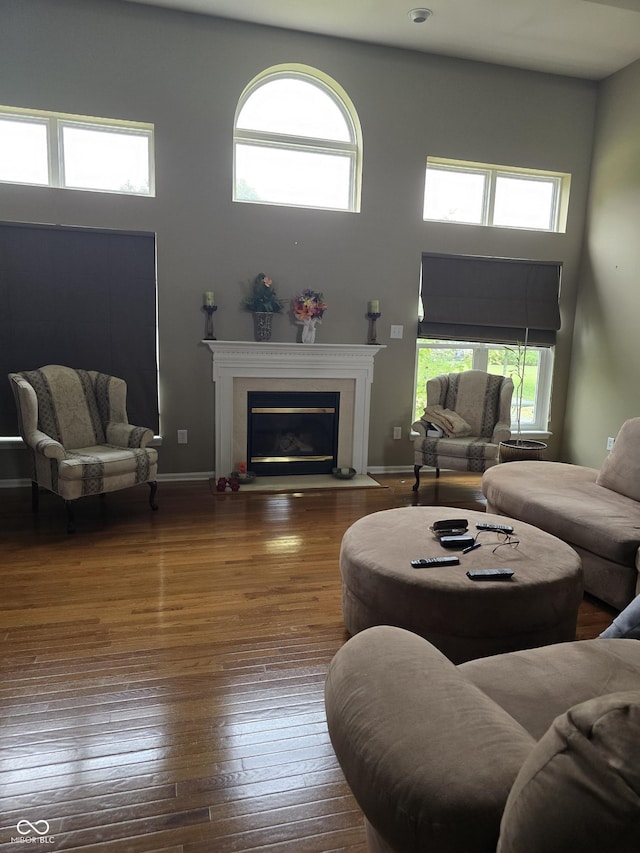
(501, 432)
(43, 444)
(429, 757)
(420, 428)
(128, 435)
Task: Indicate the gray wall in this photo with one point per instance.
(606, 354)
(185, 73)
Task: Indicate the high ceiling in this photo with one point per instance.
(580, 38)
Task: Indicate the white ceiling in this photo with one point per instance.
(581, 38)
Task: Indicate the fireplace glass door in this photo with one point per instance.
(292, 432)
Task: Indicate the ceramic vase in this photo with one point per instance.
(309, 330)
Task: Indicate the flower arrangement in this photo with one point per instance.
(263, 296)
(309, 305)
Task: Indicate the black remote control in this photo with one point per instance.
(490, 574)
(431, 562)
(500, 528)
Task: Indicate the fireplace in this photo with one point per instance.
(292, 432)
(240, 367)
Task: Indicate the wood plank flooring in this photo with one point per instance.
(163, 673)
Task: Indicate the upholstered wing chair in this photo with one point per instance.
(468, 414)
(75, 424)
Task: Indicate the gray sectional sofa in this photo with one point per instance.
(597, 512)
(534, 751)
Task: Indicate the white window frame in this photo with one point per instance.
(480, 359)
(351, 149)
(55, 124)
(561, 182)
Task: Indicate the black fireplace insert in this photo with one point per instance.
(292, 432)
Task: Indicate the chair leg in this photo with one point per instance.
(416, 471)
(153, 485)
(437, 473)
(71, 516)
(35, 496)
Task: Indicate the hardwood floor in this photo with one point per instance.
(163, 672)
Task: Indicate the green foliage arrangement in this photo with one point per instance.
(263, 296)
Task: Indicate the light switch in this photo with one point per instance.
(396, 332)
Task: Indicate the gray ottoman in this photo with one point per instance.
(465, 619)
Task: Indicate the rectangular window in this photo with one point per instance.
(482, 194)
(291, 177)
(436, 357)
(453, 195)
(75, 152)
(24, 157)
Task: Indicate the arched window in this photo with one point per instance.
(297, 142)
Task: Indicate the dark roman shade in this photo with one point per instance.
(84, 298)
(490, 299)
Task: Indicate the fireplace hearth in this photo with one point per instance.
(292, 432)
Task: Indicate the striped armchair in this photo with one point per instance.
(75, 424)
(473, 411)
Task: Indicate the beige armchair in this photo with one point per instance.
(75, 424)
(472, 411)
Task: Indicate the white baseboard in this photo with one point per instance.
(185, 477)
(193, 476)
(162, 478)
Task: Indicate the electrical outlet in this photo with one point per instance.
(396, 331)
(183, 436)
(397, 432)
(610, 442)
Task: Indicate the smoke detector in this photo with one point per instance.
(419, 16)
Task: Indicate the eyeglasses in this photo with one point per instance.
(506, 539)
(503, 539)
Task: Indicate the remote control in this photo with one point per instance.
(500, 528)
(456, 541)
(431, 562)
(490, 574)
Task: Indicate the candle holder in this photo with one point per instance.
(373, 316)
(208, 325)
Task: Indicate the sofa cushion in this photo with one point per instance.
(109, 461)
(620, 471)
(461, 448)
(565, 500)
(536, 685)
(579, 788)
(67, 406)
(473, 394)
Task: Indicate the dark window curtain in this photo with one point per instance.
(82, 297)
(490, 299)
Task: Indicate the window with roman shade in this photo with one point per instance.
(490, 299)
(81, 297)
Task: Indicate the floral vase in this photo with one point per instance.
(262, 325)
(309, 330)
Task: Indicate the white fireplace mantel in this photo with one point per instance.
(234, 360)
